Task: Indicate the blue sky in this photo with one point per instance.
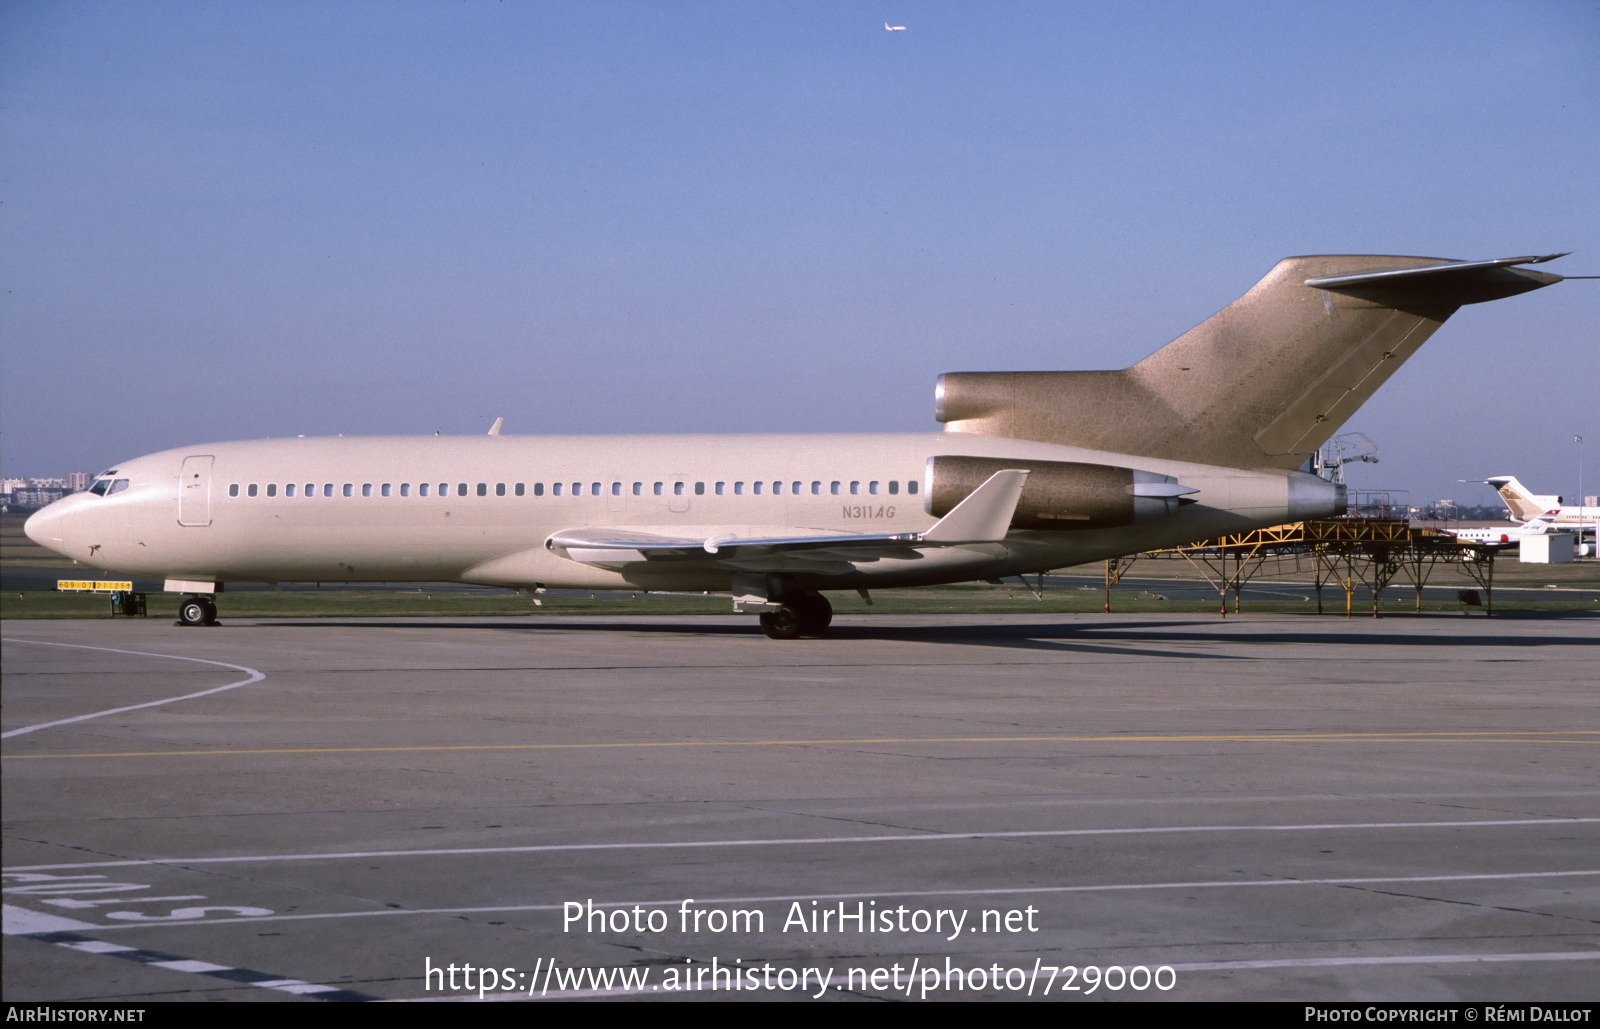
(227, 221)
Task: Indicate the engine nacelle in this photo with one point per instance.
(1058, 494)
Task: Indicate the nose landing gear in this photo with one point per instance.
(197, 611)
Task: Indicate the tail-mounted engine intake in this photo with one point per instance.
(1059, 494)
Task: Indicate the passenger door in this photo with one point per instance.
(194, 491)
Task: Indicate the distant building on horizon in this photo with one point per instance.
(32, 494)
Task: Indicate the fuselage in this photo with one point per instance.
(481, 508)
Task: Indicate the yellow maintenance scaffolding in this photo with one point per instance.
(1348, 552)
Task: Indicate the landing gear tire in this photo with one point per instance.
(197, 611)
(805, 615)
(815, 614)
(782, 624)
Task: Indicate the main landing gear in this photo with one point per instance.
(804, 614)
(197, 611)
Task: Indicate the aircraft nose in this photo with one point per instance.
(44, 526)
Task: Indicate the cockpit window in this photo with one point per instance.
(117, 487)
(103, 483)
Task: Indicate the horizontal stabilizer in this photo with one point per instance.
(1452, 282)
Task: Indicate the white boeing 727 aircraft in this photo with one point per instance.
(1034, 470)
(1525, 505)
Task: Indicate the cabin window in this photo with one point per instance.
(855, 488)
(251, 490)
(720, 487)
(699, 489)
(755, 487)
(872, 487)
(677, 489)
(816, 489)
(327, 489)
(311, 489)
(444, 489)
(385, 490)
(288, 490)
(638, 488)
(461, 489)
(894, 486)
(658, 489)
(555, 489)
(538, 489)
(738, 489)
(405, 489)
(577, 489)
(422, 490)
(595, 490)
(833, 488)
(499, 489)
(483, 489)
(366, 489)
(348, 490)
(911, 485)
(520, 489)
(777, 488)
(100, 488)
(272, 489)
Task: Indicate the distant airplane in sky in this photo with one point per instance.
(1034, 470)
(893, 28)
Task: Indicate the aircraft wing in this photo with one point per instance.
(983, 516)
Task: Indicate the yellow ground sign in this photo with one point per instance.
(94, 585)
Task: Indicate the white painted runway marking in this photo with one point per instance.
(255, 676)
(68, 933)
(190, 965)
(879, 895)
(22, 922)
(930, 837)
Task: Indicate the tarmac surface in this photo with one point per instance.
(1270, 807)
